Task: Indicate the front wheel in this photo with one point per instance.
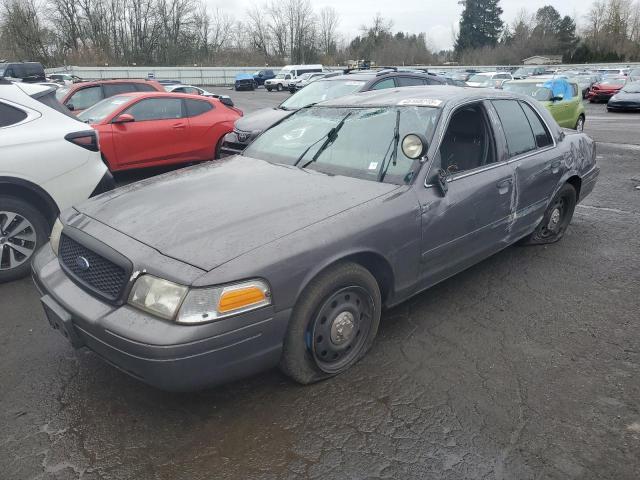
(580, 124)
(333, 324)
(23, 229)
(268, 89)
(556, 218)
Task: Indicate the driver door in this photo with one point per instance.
(157, 135)
(470, 221)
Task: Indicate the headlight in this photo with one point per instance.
(157, 296)
(54, 239)
(206, 304)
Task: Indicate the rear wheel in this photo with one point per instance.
(556, 218)
(580, 124)
(279, 87)
(333, 324)
(23, 229)
(268, 89)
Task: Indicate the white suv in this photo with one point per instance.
(48, 161)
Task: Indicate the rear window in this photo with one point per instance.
(197, 107)
(111, 89)
(410, 81)
(144, 87)
(516, 127)
(10, 115)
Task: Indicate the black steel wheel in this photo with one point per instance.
(339, 330)
(333, 324)
(556, 218)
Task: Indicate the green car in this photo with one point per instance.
(560, 97)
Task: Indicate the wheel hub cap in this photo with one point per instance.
(342, 328)
(17, 240)
(554, 220)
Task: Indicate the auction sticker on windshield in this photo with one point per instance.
(425, 102)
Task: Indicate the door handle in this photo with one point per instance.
(504, 185)
(555, 166)
(179, 125)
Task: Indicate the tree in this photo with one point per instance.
(480, 24)
(329, 20)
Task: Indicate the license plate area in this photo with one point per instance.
(61, 320)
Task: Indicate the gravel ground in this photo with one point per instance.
(526, 366)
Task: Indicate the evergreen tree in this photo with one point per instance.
(480, 24)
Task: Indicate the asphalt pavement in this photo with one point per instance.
(525, 366)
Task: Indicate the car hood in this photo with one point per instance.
(212, 213)
(261, 120)
(627, 97)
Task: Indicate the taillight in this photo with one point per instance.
(87, 139)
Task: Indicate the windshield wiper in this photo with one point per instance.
(394, 149)
(329, 137)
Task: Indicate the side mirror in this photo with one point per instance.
(441, 181)
(124, 118)
(557, 98)
(70, 106)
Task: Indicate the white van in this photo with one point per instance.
(287, 73)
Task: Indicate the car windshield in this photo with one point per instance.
(102, 109)
(300, 139)
(633, 87)
(320, 91)
(482, 79)
(535, 90)
(305, 76)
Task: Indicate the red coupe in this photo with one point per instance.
(603, 90)
(150, 129)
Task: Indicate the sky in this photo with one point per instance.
(436, 18)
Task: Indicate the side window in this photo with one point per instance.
(111, 89)
(192, 91)
(516, 126)
(85, 98)
(156, 109)
(410, 81)
(10, 115)
(197, 107)
(540, 132)
(386, 83)
(574, 88)
(144, 87)
(179, 90)
(468, 141)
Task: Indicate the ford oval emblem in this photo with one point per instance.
(82, 263)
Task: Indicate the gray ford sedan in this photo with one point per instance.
(287, 254)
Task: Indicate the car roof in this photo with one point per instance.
(428, 95)
(161, 94)
(370, 75)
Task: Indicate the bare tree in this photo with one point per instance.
(328, 26)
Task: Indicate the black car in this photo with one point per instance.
(628, 98)
(261, 75)
(250, 126)
(31, 72)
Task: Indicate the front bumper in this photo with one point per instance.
(600, 96)
(158, 352)
(623, 106)
(232, 145)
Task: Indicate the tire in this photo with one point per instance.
(333, 324)
(279, 87)
(579, 124)
(16, 214)
(552, 227)
(268, 89)
(235, 88)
